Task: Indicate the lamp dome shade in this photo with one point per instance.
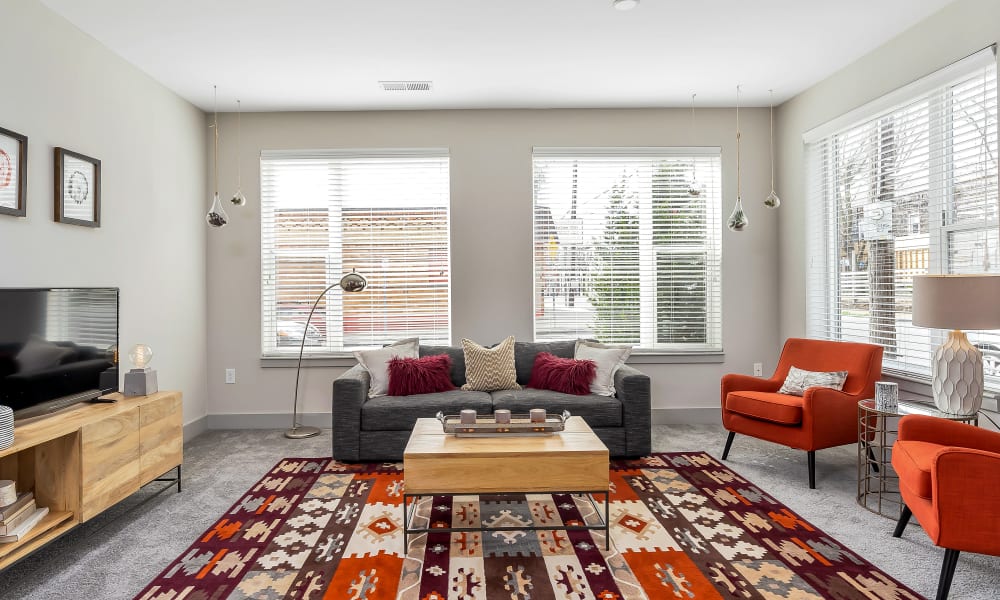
(956, 301)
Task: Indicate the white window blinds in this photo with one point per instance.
(382, 213)
(902, 187)
(623, 251)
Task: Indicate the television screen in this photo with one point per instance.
(58, 346)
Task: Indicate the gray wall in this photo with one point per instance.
(949, 35)
(491, 239)
(62, 88)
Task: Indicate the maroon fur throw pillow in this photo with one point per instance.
(566, 375)
(427, 375)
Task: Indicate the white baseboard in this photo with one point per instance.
(687, 416)
(195, 428)
(267, 421)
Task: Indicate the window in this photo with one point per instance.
(381, 213)
(624, 252)
(902, 187)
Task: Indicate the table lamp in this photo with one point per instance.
(140, 381)
(957, 302)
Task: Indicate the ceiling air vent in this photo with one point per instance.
(406, 86)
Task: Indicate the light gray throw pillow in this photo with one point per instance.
(798, 380)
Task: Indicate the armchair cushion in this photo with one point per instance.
(767, 406)
(913, 462)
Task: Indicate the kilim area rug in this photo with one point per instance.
(682, 526)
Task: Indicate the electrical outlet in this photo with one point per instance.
(230, 375)
(758, 369)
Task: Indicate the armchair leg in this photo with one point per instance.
(947, 573)
(729, 444)
(904, 518)
(812, 469)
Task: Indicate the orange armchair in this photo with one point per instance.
(822, 417)
(947, 471)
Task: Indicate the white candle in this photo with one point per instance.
(537, 415)
(468, 417)
(502, 416)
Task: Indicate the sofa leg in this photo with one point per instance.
(904, 518)
(729, 444)
(947, 573)
(812, 469)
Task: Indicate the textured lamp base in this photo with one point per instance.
(957, 378)
(297, 433)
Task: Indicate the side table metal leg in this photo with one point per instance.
(178, 479)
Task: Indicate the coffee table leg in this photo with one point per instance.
(406, 523)
(607, 522)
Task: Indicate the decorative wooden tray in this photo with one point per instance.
(520, 425)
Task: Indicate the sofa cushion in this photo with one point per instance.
(597, 411)
(457, 360)
(525, 353)
(489, 369)
(565, 375)
(389, 413)
(767, 406)
(912, 461)
(425, 375)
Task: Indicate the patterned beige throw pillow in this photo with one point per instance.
(798, 381)
(489, 369)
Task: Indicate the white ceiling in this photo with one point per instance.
(331, 54)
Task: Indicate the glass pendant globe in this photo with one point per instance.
(216, 216)
(238, 198)
(772, 200)
(738, 220)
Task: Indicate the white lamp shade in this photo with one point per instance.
(965, 302)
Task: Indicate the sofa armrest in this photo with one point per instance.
(350, 391)
(632, 389)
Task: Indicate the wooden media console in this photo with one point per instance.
(83, 460)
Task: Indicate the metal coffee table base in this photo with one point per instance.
(409, 508)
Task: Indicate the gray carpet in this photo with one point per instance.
(116, 554)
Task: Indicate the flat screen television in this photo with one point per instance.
(58, 346)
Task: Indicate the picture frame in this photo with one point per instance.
(78, 188)
(13, 173)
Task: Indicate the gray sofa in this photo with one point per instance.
(377, 429)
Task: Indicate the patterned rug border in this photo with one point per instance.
(858, 578)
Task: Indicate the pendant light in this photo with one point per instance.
(216, 216)
(695, 187)
(772, 200)
(238, 198)
(738, 220)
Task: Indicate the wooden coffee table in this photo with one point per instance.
(573, 461)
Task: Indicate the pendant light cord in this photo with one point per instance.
(771, 92)
(215, 126)
(739, 173)
(239, 149)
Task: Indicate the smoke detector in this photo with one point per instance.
(405, 86)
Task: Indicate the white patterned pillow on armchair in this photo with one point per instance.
(799, 380)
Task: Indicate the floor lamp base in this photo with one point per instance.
(297, 433)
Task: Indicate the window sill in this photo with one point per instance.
(329, 360)
(673, 358)
(637, 358)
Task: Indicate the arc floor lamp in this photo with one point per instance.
(352, 282)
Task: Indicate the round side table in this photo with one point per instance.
(878, 484)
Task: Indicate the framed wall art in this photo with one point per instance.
(13, 173)
(78, 189)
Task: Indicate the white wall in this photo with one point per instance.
(949, 35)
(62, 88)
(491, 239)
